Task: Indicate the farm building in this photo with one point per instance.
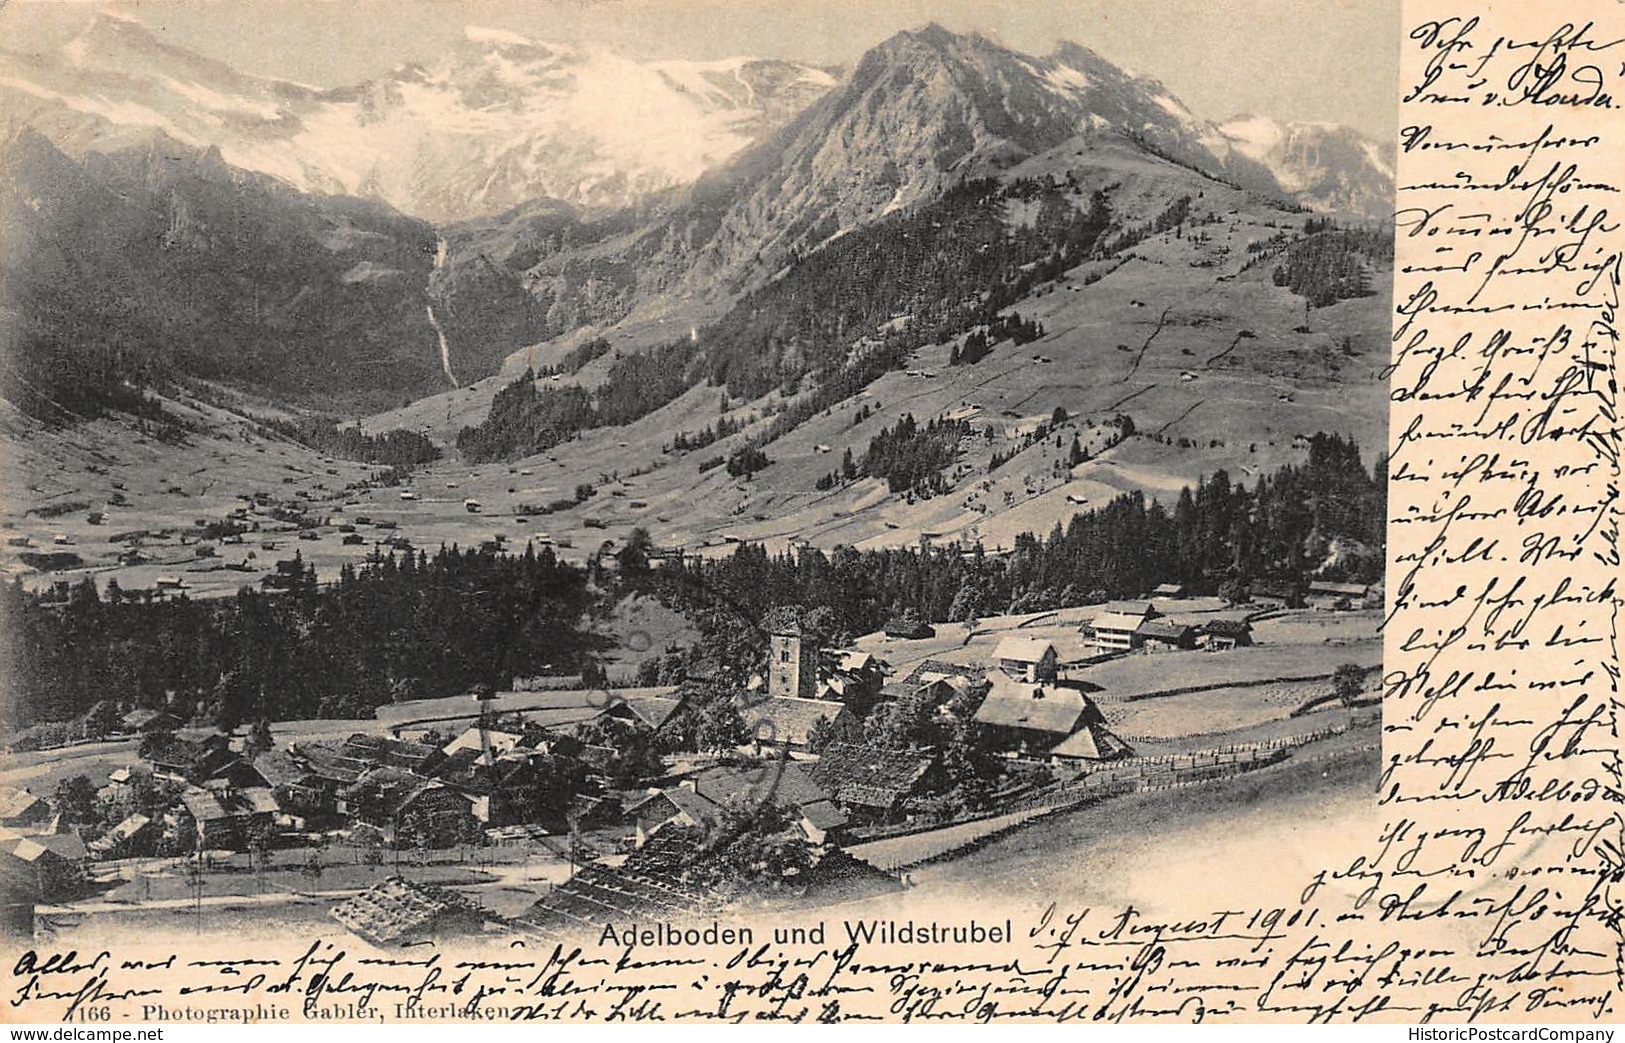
(183, 760)
(1026, 659)
(436, 814)
(1091, 742)
(1022, 714)
(1324, 594)
(487, 743)
(1276, 594)
(788, 723)
(656, 880)
(226, 819)
(872, 781)
(652, 711)
(960, 678)
(296, 786)
(908, 627)
(1115, 631)
(1163, 635)
(417, 757)
(20, 809)
(496, 789)
(700, 800)
(672, 806)
(851, 677)
(1218, 635)
(1168, 590)
(39, 870)
(129, 837)
(144, 721)
(397, 912)
(1033, 718)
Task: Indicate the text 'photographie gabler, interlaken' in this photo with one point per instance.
(921, 525)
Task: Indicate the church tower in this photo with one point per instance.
(792, 668)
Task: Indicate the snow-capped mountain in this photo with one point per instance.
(1326, 166)
(920, 112)
(928, 108)
(498, 120)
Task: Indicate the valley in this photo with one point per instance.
(808, 478)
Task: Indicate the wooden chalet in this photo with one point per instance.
(1219, 635)
(1324, 594)
(1165, 635)
(21, 809)
(1116, 627)
(1026, 659)
(782, 722)
(133, 836)
(871, 781)
(1025, 716)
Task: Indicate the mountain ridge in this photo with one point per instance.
(495, 121)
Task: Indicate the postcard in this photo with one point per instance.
(910, 512)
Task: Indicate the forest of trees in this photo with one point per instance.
(1326, 517)
(979, 345)
(422, 626)
(911, 458)
(1331, 264)
(397, 448)
(573, 360)
(840, 318)
(417, 626)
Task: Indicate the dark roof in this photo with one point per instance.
(789, 720)
(278, 768)
(650, 883)
(397, 909)
(869, 776)
(780, 781)
(1354, 590)
(198, 759)
(823, 814)
(1034, 707)
(653, 710)
(680, 799)
(1165, 630)
(141, 717)
(329, 761)
(396, 753)
(1093, 742)
(838, 876)
(932, 668)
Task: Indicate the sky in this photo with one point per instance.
(1313, 60)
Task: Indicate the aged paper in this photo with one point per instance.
(1480, 877)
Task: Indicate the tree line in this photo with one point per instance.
(1325, 517)
(837, 320)
(398, 627)
(422, 626)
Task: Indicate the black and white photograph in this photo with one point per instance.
(491, 476)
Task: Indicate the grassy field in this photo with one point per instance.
(1165, 847)
(1139, 341)
(1145, 676)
